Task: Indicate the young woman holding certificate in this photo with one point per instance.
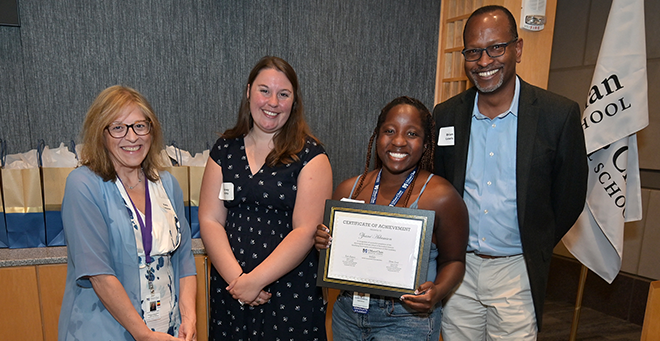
(405, 140)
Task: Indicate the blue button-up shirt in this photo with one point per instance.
(490, 182)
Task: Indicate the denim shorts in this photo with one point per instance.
(387, 319)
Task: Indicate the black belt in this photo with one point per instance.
(489, 256)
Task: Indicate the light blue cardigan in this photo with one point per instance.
(100, 240)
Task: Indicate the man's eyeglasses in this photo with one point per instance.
(119, 130)
(493, 51)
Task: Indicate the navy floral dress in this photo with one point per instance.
(258, 219)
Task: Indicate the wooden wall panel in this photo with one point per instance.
(51, 280)
(20, 317)
(648, 258)
(202, 298)
(651, 327)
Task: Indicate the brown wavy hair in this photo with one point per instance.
(425, 162)
(103, 111)
(290, 140)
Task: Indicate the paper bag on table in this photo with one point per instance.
(57, 163)
(24, 208)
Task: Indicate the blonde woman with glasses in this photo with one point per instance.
(130, 268)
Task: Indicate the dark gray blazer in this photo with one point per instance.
(551, 171)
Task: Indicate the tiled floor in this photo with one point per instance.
(594, 325)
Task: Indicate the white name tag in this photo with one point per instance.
(446, 136)
(226, 191)
(360, 303)
(152, 308)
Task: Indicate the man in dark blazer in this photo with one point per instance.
(516, 154)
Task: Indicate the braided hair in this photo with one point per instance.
(425, 162)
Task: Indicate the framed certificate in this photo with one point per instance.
(375, 249)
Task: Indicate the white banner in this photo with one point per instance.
(617, 108)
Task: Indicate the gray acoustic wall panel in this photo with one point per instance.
(191, 60)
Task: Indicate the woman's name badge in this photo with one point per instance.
(226, 191)
(360, 302)
(152, 308)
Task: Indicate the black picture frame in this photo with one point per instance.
(424, 217)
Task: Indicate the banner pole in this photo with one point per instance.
(578, 302)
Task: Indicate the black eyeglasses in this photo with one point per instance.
(119, 130)
(493, 51)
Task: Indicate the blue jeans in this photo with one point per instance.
(387, 319)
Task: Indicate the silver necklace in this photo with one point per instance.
(131, 187)
(139, 180)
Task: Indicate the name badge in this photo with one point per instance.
(226, 191)
(446, 136)
(152, 308)
(360, 302)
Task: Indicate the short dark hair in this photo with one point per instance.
(513, 27)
